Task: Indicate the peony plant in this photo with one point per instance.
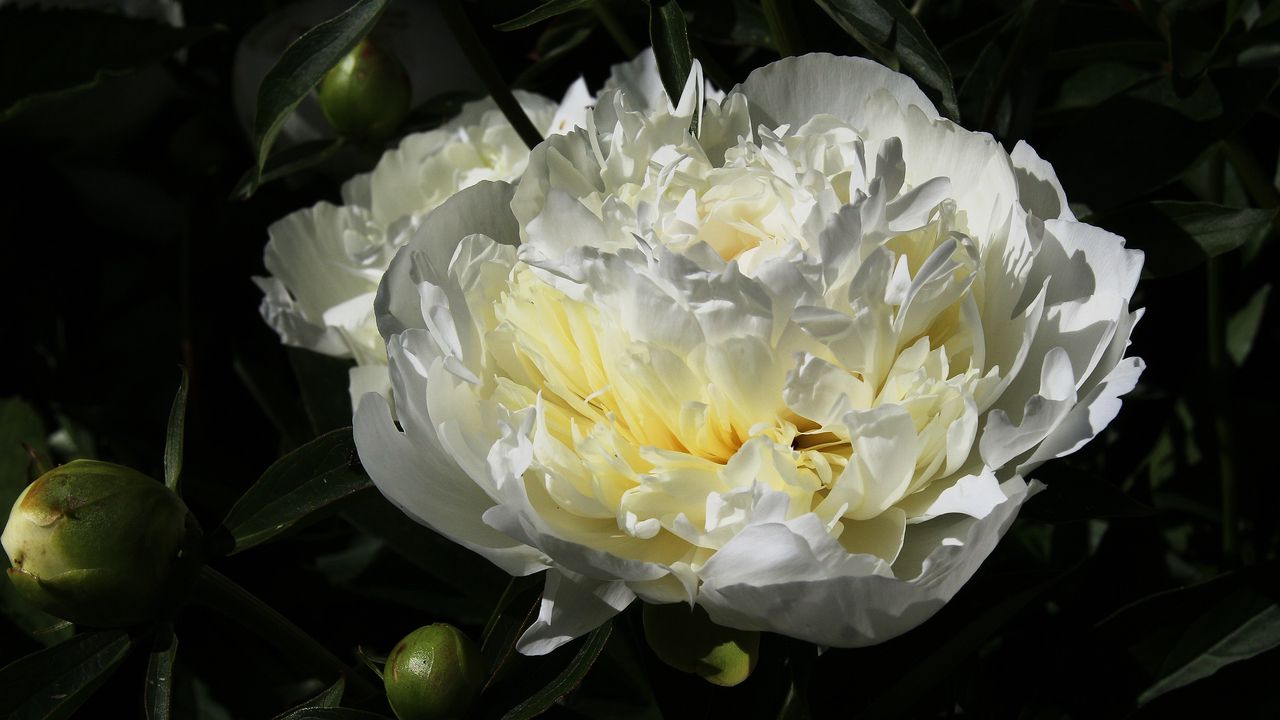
(795, 369)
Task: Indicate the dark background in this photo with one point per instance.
(125, 256)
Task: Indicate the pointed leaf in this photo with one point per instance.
(1242, 329)
(173, 437)
(158, 694)
(670, 39)
(313, 478)
(886, 26)
(286, 162)
(545, 11)
(333, 713)
(64, 51)
(330, 697)
(55, 681)
(302, 66)
(567, 680)
(1252, 627)
(1179, 236)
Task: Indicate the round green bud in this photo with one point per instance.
(101, 545)
(366, 95)
(435, 672)
(688, 641)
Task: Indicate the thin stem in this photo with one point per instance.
(1219, 384)
(615, 28)
(782, 27)
(484, 66)
(218, 592)
(1219, 381)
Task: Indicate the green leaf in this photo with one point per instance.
(940, 665)
(1243, 326)
(330, 697)
(1254, 636)
(1076, 496)
(173, 436)
(324, 383)
(545, 11)
(158, 692)
(670, 39)
(282, 164)
(448, 563)
(1180, 236)
(63, 51)
(567, 680)
(302, 66)
(511, 615)
(334, 713)
(53, 682)
(1242, 625)
(889, 31)
(315, 477)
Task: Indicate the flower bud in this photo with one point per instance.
(100, 544)
(435, 672)
(688, 641)
(366, 95)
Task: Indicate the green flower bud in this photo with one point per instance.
(101, 545)
(366, 95)
(435, 672)
(688, 641)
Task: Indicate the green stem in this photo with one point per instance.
(1219, 381)
(218, 592)
(782, 27)
(484, 66)
(615, 27)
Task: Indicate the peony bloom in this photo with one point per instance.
(795, 369)
(325, 261)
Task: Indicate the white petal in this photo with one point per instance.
(795, 89)
(572, 605)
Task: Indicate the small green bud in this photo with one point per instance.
(101, 545)
(366, 95)
(688, 641)
(434, 673)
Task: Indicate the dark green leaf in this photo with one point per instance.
(158, 694)
(293, 159)
(1242, 329)
(1081, 496)
(324, 382)
(330, 697)
(312, 478)
(334, 713)
(1179, 236)
(173, 436)
(545, 11)
(892, 33)
(510, 616)
(448, 563)
(54, 682)
(940, 665)
(302, 66)
(567, 680)
(49, 53)
(1255, 633)
(554, 44)
(670, 39)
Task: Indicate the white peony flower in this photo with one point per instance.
(325, 261)
(794, 370)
